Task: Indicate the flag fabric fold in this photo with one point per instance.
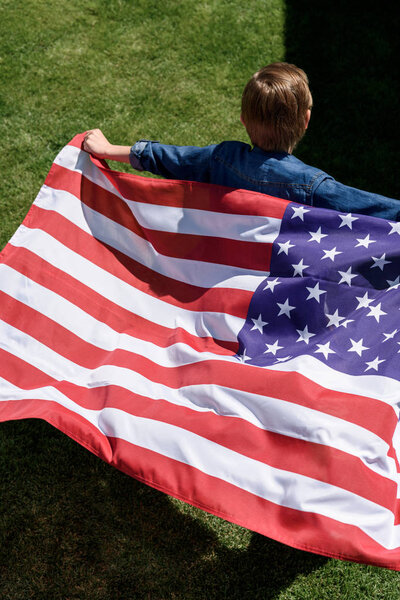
(236, 351)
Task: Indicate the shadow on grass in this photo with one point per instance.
(350, 53)
(73, 527)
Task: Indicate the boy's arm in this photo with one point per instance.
(335, 195)
(97, 144)
(173, 162)
(191, 163)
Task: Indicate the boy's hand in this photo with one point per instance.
(97, 144)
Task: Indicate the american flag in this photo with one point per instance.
(236, 351)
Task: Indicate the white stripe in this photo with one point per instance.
(271, 414)
(206, 223)
(284, 488)
(378, 387)
(281, 487)
(77, 160)
(220, 326)
(197, 273)
(91, 330)
(251, 228)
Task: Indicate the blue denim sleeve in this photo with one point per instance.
(335, 195)
(173, 162)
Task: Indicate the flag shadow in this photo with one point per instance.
(79, 528)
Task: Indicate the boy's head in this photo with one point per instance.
(276, 106)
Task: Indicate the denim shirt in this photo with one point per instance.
(238, 165)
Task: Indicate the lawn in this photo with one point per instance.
(72, 527)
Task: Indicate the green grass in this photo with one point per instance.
(71, 527)
(168, 70)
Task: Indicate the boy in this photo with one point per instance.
(276, 110)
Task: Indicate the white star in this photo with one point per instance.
(299, 268)
(315, 292)
(334, 319)
(390, 336)
(299, 211)
(331, 254)
(375, 311)
(304, 335)
(258, 324)
(271, 284)
(282, 359)
(395, 228)
(347, 220)
(273, 348)
(243, 357)
(393, 283)
(285, 308)
(373, 364)
(364, 242)
(357, 346)
(347, 276)
(380, 262)
(285, 247)
(325, 349)
(316, 236)
(363, 301)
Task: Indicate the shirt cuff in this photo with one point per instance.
(135, 154)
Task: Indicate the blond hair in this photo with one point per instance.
(274, 107)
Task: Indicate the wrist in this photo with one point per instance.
(118, 153)
(109, 151)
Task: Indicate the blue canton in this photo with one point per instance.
(332, 292)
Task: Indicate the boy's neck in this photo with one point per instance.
(272, 150)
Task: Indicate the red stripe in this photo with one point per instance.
(235, 302)
(247, 255)
(293, 388)
(70, 423)
(303, 530)
(106, 311)
(306, 531)
(393, 454)
(77, 140)
(316, 461)
(234, 253)
(187, 194)
(201, 196)
(238, 253)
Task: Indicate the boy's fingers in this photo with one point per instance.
(88, 136)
